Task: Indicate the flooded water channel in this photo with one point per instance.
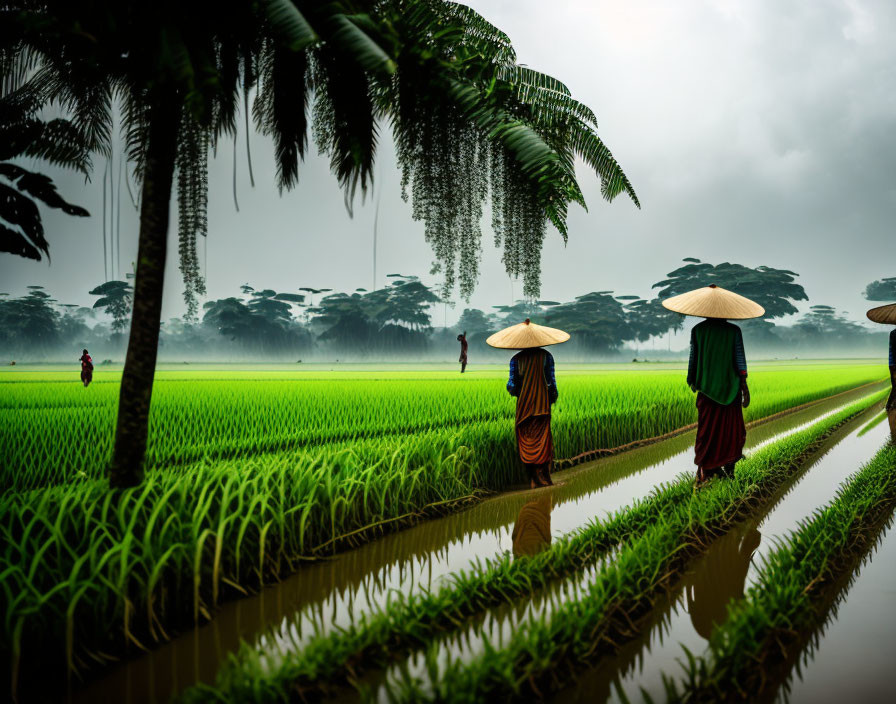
(853, 659)
(685, 617)
(332, 593)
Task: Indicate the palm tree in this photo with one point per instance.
(468, 123)
(23, 133)
(115, 297)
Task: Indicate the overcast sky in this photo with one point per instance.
(754, 132)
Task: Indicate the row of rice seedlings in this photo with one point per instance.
(85, 572)
(764, 627)
(673, 516)
(341, 499)
(545, 655)
(55, 432)
(322, 601)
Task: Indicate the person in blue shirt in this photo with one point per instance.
(891, 402)
(886, 315)
(533, 383)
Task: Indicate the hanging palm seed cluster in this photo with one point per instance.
(192, 208)
(469, 123)
(498, 130)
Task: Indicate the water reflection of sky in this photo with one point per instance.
(731, 565)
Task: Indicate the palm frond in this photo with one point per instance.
(492, 43)
(281, 106)
(597, 156)
(21, 213)
(344, 124)
(289, 24)
(41, 188)
(541, 100)
(192, 201)
(358, 46)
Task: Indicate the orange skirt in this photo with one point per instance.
(533, 439)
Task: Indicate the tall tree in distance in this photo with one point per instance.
(115, 298)
(648, 318)
(773, 289)
(822, 325)
(881, 290)
(476, 322)
(29, 322)
(536, 311)
(596, 320)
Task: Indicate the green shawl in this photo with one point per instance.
(716, 376)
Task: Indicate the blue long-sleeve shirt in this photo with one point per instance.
(514, 384)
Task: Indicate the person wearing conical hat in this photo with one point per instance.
(717, 372)
(886, 315)
(534, 385)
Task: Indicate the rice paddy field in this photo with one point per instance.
(345, 532)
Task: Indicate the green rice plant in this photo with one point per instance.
(544, 654)
(766, 627)
(83, 570)
(90, 572)
(55, 432)
(666, 525)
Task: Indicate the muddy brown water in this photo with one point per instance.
(686, 616)
(853, 659)
(710, 583)
(332, 593)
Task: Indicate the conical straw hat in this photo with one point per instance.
(525, 335)
(883, 314)
(714, 302)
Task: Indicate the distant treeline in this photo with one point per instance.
(396, 322)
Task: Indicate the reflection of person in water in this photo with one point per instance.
(532, 531)
(719, 578)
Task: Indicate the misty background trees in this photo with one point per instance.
(401, 321)
(882, 290)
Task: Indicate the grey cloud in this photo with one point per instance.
(760, 132)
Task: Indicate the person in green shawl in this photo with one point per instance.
(717, 373)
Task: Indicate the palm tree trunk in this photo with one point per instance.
(140, 363)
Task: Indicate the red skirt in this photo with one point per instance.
(534, 441)
(721, 433)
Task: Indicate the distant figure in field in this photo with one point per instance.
(462, 339)
(886, 315)
(533, 383)
(86, 368)
(532, 530)
(717, 372)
